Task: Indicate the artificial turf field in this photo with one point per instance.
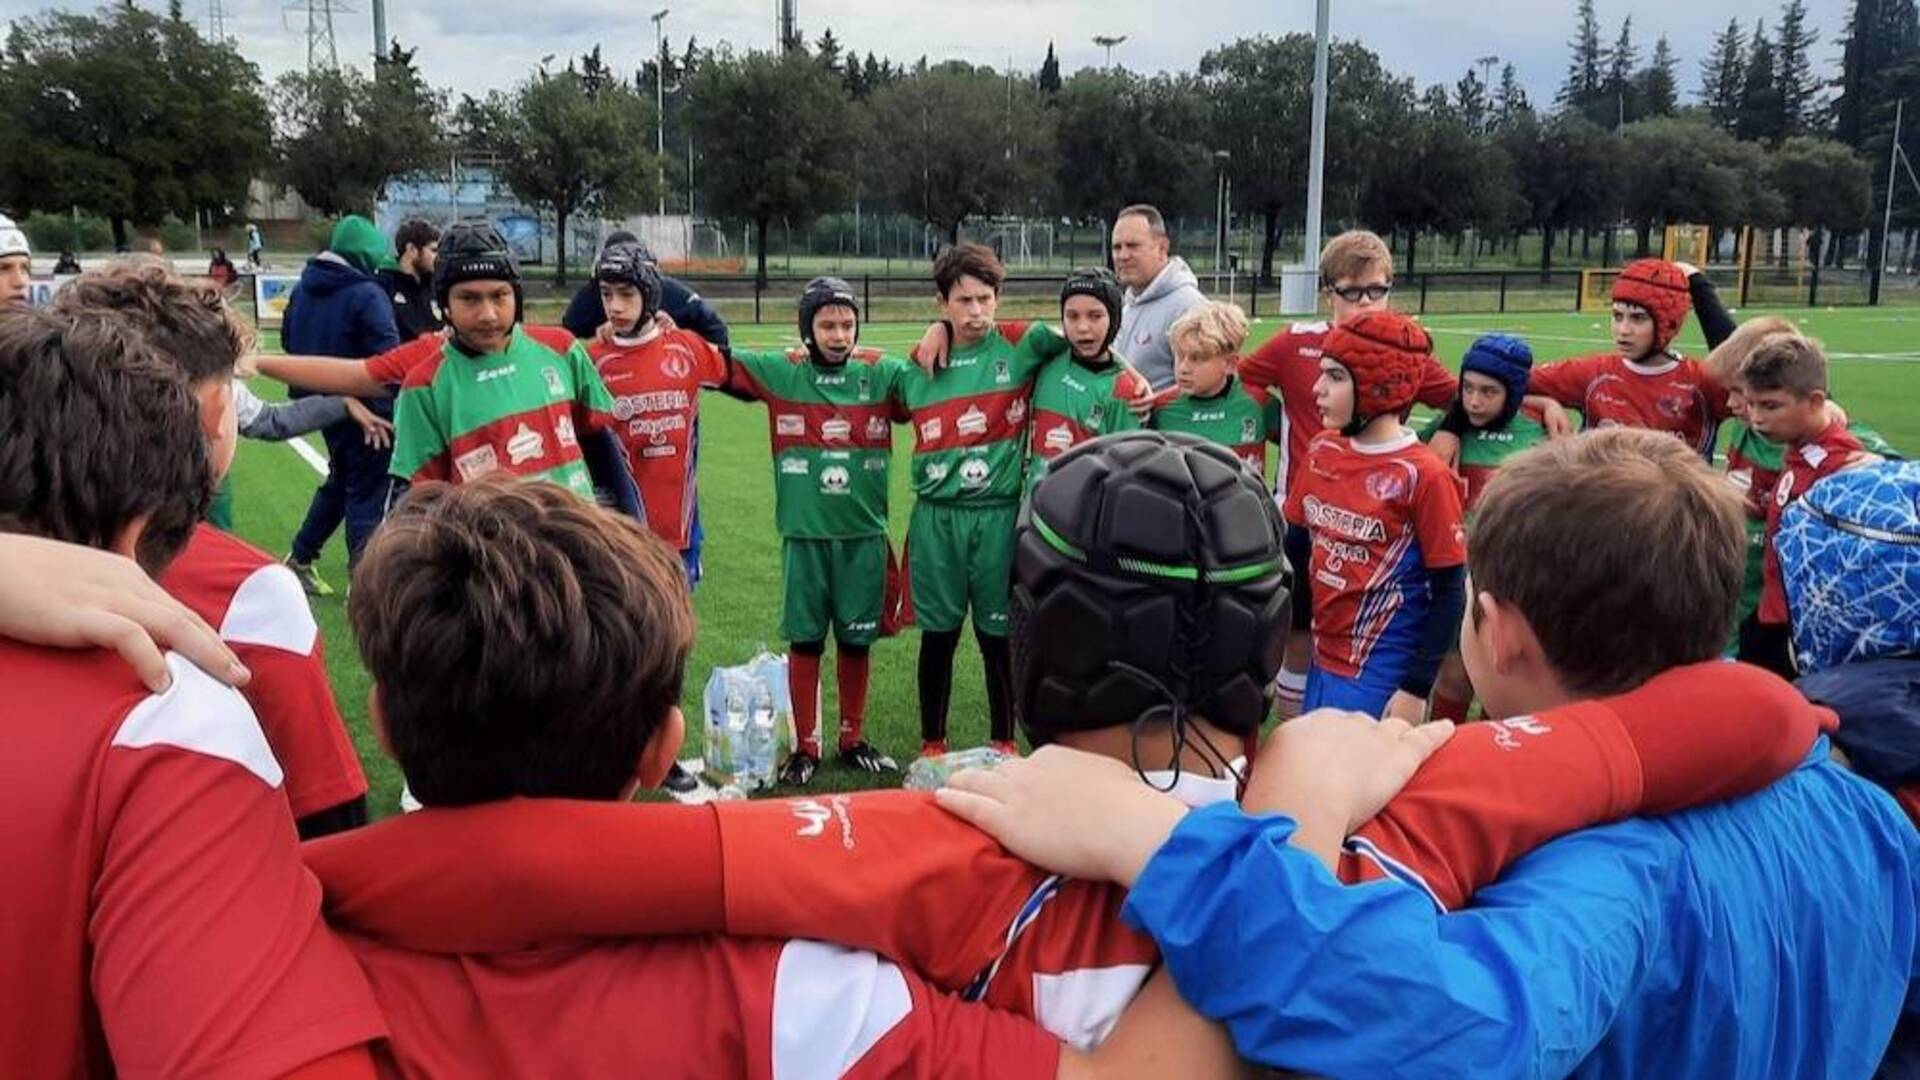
(1875, 374)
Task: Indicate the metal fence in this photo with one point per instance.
(741, 299)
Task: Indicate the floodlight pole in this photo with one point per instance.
(1886, 221)
(660, 102)
(1317, 152)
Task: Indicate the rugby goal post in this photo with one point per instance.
(1681, 243)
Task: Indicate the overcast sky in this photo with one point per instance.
(477, 45)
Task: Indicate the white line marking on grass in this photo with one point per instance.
(311, 456)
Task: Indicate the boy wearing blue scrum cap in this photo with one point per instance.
(1487, 418)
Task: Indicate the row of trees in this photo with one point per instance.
(135, 116)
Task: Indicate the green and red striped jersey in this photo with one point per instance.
(1241, 417)
(1074, 402)
(970, 418)
(459, 416)
(832, 432)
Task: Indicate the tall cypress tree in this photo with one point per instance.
(1616, 105)
(1881, 36)
(1760, 116)
(1657, 87)
(1724, 75)
(1584, 73)
(1793, 68)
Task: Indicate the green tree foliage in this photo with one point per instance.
(1656, 88)
(1568, 173)
(1434, 179)
(1586, 70)
(1261, 89)
(1724, 75)
(1050, 72)
(568, 151)
(128, 114)
(1882, 38)
(342, 137)
(780, 140)
(960, 142)
(1126, 138)
(1799, 87)
(1762, 114)
(1824, 185)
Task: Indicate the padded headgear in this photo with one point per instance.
(1661, 288)
(1850, 563)
(1149, 582)
(1507, 359)
(628, 262)
(475, 251)
(13, 239)
(1385, 353)
(1099, 283)
(824, 292)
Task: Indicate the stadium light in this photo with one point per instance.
(1107, 42)
(660, 101)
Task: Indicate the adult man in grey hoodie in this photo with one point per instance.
(1160, 288)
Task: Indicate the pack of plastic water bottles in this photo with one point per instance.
(749, 722)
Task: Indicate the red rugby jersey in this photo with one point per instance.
(159, 922)
(1802, 466)
(656, 386)
(1675, 395)
(1380, 517)
(1289, 363)
(261, 612)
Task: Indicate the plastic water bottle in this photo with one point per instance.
(760, 737)
(733, 727)
(929, 774)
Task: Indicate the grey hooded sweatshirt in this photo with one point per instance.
(1148, 314)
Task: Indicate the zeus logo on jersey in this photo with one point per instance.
(489, 374)
(1344, 522)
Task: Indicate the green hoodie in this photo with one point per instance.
(356, 240)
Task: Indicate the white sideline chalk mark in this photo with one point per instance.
(311, 456)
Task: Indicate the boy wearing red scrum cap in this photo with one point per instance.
(1643, 382)
(1379, 539)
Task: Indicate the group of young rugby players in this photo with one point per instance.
(1642, 861)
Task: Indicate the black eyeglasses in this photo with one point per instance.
(1353, 294)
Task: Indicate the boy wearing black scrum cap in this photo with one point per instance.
(495, 395)
(1086, 394)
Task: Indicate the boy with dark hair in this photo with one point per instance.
(499, 565)
(1213, 401)
(1492, 425)
(1378, 527)
(829, 416)
(1127, 531)
(1701, 944)
(495, 395)
(969, 420)
(1089, 392)
(1784, 386)
(340, 309)
(256, 603)
(654, 377)
(161, 921)
(585, 315)
(409, 282)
